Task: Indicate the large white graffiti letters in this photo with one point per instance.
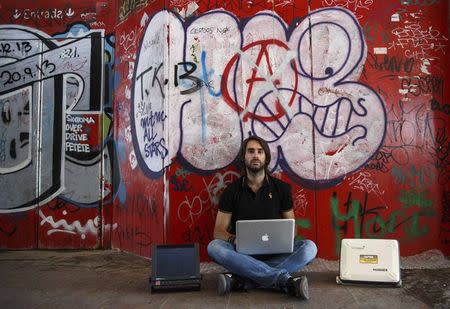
(296, 87)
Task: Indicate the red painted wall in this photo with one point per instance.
(398, 186)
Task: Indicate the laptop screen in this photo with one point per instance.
(173, 262)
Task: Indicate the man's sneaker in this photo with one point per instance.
(229, 282)
(223, 284)
(298, 287)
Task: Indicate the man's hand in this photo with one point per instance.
(288, 214)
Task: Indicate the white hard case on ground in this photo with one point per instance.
(369, 261)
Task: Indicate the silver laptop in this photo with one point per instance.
(265, 236)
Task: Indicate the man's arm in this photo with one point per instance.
(288, 214)
(223, 220)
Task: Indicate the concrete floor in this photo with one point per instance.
(111, 279)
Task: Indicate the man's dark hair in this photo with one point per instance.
(264, 146)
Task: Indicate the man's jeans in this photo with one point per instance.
(269, 271)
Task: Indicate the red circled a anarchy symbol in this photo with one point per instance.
(279, 110)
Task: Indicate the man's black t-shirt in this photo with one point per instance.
(273, 198)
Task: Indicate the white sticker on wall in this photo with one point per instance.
(380, 50)
(133, 160)
(128, 134)
(130, 70)
(425, 65)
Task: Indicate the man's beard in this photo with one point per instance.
(253, 168)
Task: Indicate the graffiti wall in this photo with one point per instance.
(56, 148)
(350, 95)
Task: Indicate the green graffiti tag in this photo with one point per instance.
(302, 224)
(413, 176)
(368, 222)
(413, 198)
